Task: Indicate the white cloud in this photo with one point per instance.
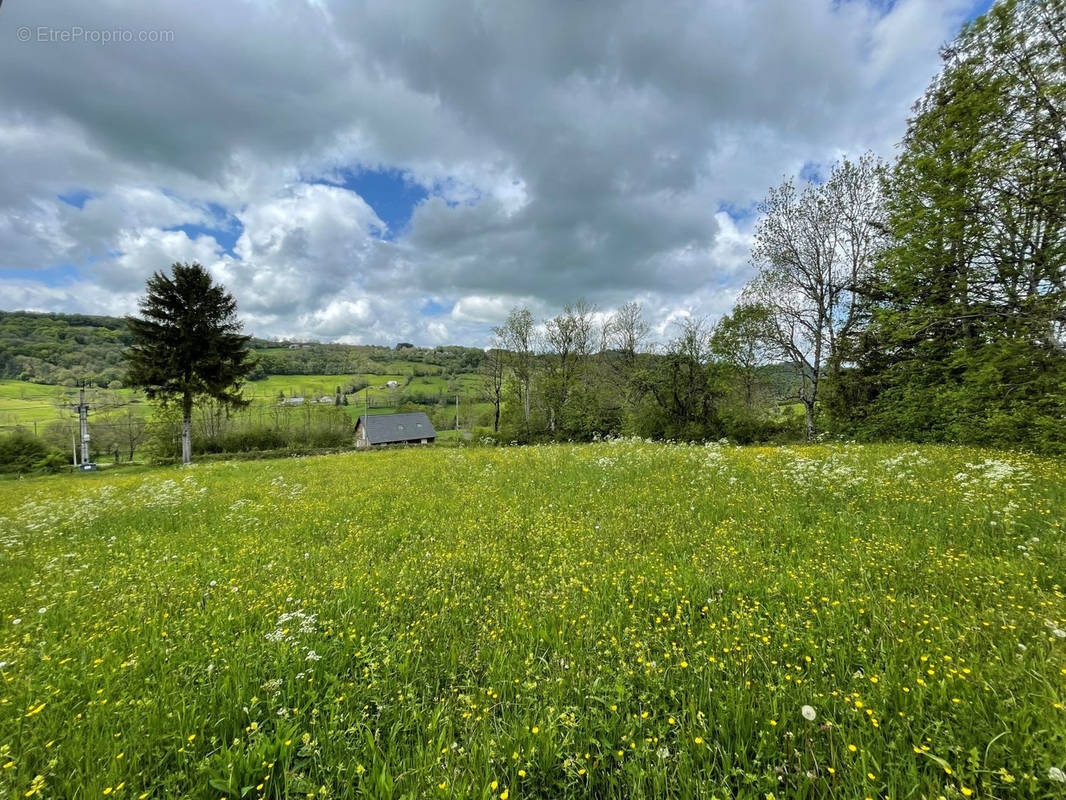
(577, 153)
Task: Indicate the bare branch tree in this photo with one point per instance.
(626, 331)
(518, 335)
(493, 369)
(569, 340)
(813, 249)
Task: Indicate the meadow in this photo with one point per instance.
(22, 404)
(621, 619)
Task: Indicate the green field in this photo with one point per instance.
(22, 404)
(623, 619)
(309, 386)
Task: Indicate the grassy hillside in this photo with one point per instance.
(43, 357)
(613, 620)
(72, 349)
(61, 348)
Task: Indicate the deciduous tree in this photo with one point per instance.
(813, 250)
(518, 335)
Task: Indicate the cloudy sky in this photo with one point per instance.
(379, 171)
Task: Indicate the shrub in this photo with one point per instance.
(21, 451)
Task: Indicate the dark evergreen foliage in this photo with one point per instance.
(187, 343)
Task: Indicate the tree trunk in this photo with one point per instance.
(496, 419)
(808, 407)
(186, 430)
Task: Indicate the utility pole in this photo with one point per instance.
(83, 423)
(457, 412)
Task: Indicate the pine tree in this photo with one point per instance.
(188, 344)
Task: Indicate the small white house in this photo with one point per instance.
(391, 384)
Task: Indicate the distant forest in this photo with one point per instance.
(68, 349)
(62, 349)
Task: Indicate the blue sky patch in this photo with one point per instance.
(76, 197)
(431, 308)
(811, 171)
(58, 275)
(739, 213)
(979, 8)
(391, 194)
(224, 227)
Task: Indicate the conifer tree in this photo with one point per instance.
(188, 344)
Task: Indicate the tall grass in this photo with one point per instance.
(613, 620)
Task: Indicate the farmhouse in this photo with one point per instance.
(379, 429)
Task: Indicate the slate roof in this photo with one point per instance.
(388, 428)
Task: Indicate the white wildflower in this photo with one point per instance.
(808, 713)
(1056, 774)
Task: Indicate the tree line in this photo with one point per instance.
(583, 374)
(926, 299)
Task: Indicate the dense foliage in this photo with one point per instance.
(587, 378)
(65, 349)
(615, 620)
(22, 452)
(338, 359)
(967, 312)
(930, 298)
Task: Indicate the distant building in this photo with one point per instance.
(326, 399)
(380, 429)
(391, 384)
(293, 401)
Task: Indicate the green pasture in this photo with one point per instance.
(616, 620)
